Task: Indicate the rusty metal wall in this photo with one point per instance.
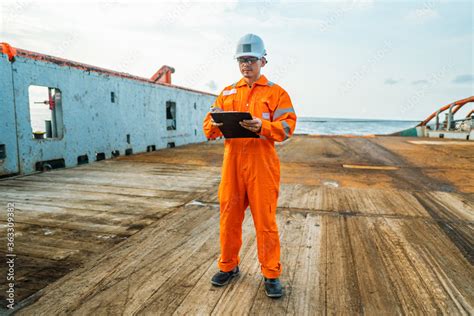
(92, 123)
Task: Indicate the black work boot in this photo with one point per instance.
(273, 288)
(222, 278)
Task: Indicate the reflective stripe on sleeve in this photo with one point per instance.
(280, 112)
(286, 129)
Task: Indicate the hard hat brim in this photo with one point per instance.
(248, 54)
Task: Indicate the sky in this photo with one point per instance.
(348, 59)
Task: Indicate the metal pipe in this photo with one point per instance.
(53, 115)
(437, 121)
(449, 117)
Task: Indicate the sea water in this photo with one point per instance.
(339, 126)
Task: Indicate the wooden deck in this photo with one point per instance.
(140, 234)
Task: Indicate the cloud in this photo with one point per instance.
(418, 82)
(422, 15)
(464, 79)
(391, 81)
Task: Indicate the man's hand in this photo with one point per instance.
(214, 110)
(254, 125)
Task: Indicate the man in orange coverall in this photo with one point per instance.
(251, 168)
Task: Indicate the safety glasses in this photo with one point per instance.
(247, 60)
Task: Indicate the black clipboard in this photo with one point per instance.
(231, 127)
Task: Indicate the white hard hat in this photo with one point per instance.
(250, 45)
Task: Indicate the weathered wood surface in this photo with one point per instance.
(140, 234)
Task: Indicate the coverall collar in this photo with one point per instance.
(262, 80)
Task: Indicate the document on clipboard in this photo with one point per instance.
(231, 127)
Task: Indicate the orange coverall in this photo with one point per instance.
(251, 171)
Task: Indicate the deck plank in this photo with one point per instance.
(292, 233)
(128, 292)
(305, 290)
(203, 297)
(131, 267)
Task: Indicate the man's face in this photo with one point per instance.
(250, 66)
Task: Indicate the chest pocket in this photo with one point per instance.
(229, 104)
(265, 109)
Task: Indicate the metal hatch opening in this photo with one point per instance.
(46, 112)
(170, 115)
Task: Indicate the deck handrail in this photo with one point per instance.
(456, 106)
